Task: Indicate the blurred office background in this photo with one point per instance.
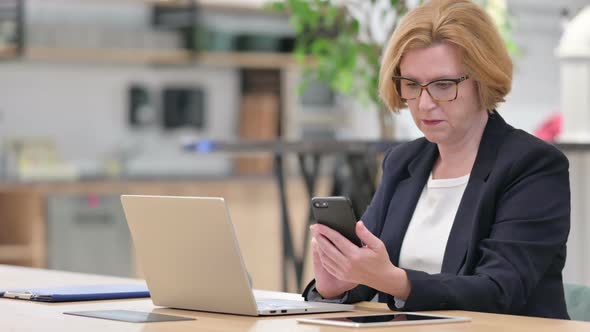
(101, 97)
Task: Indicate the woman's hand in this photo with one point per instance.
(369, 265)
(325, 283)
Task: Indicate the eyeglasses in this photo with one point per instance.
(444, 89)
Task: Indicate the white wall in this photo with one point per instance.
(535, 90)
(83, 108)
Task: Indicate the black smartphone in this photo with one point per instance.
(336, 212)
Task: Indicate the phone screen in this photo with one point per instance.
(383, 318)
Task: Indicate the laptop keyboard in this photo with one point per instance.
(271, 304)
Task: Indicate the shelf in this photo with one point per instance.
(123, 56)
(247, 5)
(11, 253)
(247, 59)
(172, 57)
(227, 5)
(8, 51)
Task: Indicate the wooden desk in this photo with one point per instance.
(20, 315)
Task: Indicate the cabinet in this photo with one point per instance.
(88, 233)
(31, 214)
(22, 228)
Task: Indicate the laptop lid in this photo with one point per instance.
(189, 254)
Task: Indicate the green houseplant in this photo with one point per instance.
(340, 42)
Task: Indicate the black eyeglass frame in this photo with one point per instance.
(425, 86)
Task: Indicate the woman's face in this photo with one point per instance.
(450, 122)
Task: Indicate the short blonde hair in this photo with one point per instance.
(462, 23)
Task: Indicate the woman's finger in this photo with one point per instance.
(328, 249)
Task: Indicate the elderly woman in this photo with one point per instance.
(473, 216)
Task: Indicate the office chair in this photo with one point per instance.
(577, 299)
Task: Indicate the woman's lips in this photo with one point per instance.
(431, 122)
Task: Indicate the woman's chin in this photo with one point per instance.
(435, 138)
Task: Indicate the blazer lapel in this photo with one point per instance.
(467, 213)
(406, 197)
(461, 231)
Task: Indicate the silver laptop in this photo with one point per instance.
(190, 257)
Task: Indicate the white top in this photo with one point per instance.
(424, 244)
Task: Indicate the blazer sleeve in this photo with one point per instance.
(529, 231)
(370, 218)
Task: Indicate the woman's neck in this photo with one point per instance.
(457, 159)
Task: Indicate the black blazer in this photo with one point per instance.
(507, 245)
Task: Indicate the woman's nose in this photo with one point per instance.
(425, 101)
